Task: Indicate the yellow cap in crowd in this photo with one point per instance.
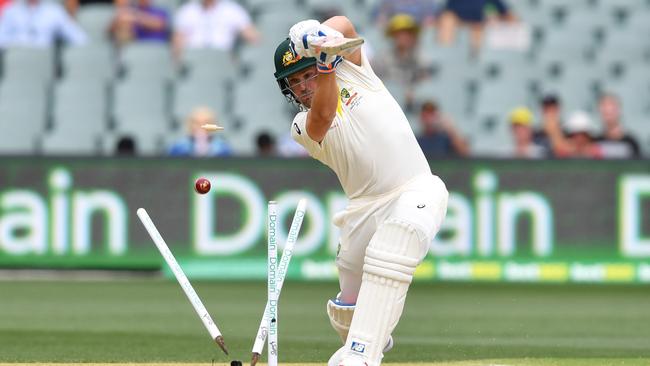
(521, 116)
(400, 22)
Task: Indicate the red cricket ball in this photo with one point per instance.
(202, 186)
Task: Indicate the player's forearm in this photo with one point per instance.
(323, 107)
(343, 25)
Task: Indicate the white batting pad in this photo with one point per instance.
(340, 317)
(391, 257)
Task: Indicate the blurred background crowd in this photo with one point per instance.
(481, 78)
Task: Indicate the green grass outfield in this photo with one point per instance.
(134, 321)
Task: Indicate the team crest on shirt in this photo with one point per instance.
(350, 97)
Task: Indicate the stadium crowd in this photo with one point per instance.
(494, 78)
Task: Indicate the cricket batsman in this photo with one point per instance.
(350, 122)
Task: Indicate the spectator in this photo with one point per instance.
(551, 135)
(614, 142)
(402, 63)
(423, 11)
(140, 22)
(212, 24)
(265, 145)
(579, 130)
(521, 126)
(125, 147)
(198, 141)
(470, 13)
(36, 23)
(438, 137)
(3, 4)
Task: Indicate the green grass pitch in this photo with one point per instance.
(150, 320)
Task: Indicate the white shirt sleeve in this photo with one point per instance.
(299, 134)
(69, 29)
(6, 26)
(239, 17)
(183, 19)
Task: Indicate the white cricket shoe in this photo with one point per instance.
(353, 360)
(337, 357)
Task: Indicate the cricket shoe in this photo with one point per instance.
(353, 360)
(337, 357)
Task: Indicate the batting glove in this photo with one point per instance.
(329, 64)
(308, 32)
(301, 34)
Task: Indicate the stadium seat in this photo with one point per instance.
(493, 102)
(243, 137)
(503, 63)
(141, 106)
(351, 9)
(458, 52)
(523, 7)
(83, 120)
(490, 134)
(571, 47)
(28, 65)
(15, 138)
(637, 23)
(634, 93)
(250, 57)
(619, 10)
(489, 125)
(212, 64)
(147, 61)
(568, 6)
(147, 133)
(272, 112)
(93, 61)
(192, 93)
(95, 19)
(277, 21)
(575, 93)
(588, 25)
(635, 72)
(22, 115)
(503, 94)
(60, 143)
(265, 5)
(622, 42)
(169, 5)
(451, 95)
(374, 35)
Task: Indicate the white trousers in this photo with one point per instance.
(362, 217)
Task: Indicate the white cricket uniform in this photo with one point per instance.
(373, 151)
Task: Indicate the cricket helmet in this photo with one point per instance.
(286, 63)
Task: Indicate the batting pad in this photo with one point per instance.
(340, 315)
(391, 257)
